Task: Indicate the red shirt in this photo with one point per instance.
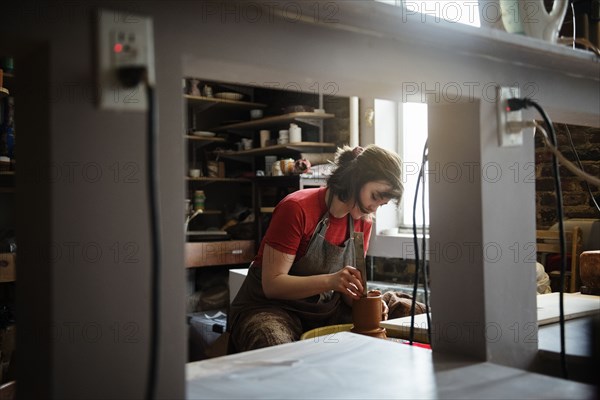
(295, 218)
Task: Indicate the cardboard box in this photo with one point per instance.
(8, 267)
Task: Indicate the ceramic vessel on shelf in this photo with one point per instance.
(530, 18)
(490, 15)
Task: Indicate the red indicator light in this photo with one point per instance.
(118, 47)
(507, 109)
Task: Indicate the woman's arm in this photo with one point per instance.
(278, 284)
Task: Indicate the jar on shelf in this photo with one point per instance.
(199, 198)
(276, 169)
(295, 133)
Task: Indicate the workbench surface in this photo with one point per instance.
(351, 366)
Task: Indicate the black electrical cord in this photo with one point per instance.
(514, 105)
(152, 164)
(416, 279)
(424, 251)
(131, 76)
(561, 229)
(416, 245)
(581, 166)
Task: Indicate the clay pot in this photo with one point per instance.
(366, 312)
(589, 269)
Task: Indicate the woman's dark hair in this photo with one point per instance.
(356, 167)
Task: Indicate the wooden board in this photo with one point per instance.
(576, 306)
(400, 328)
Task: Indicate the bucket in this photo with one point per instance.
(326, 330)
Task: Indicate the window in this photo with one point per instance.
(402, 127)
(413, 137)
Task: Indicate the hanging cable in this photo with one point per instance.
(416, 245)
(514, 105)
(424, 251)
(155, 245)
(132, 76)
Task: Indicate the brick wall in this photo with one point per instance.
(577, 202)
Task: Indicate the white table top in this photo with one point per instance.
(351, 366)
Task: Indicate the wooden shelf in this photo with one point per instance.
(279, 149)
(310, 118)
(200, 141)
(227, 252)
(204, 138)
(213, 101)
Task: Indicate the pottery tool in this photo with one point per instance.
(359, 255)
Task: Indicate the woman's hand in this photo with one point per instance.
(384, 310)
(347, 281)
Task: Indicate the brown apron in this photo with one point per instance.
(321, 257)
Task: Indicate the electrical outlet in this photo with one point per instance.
(508, 136)
(123, 40)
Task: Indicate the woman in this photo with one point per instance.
(303, 276)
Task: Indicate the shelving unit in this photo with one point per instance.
(211, 114)
(215, 251)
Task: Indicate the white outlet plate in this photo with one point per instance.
(506, 136)
(133, 36)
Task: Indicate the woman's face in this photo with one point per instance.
(371, 197)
